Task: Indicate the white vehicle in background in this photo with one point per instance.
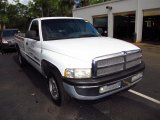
(77, 61)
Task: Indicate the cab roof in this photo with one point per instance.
(47, 18)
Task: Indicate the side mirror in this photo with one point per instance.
(32, 34)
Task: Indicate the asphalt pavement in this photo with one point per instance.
(24, 95)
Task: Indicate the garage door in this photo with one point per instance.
(151, 25)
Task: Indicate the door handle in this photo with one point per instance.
(26, 43)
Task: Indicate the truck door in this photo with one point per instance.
(33, 46)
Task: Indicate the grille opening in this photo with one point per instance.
(109, 70)
(110, 62)
(133, 63)
(133, 56)
(106, 65)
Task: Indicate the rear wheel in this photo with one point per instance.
(59, 96)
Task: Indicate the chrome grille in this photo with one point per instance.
(133, 63)
(114, 63)
(109, 70)
(132, 56)
(110, 61)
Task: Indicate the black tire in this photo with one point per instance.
(2, 49)
(21, 60)
(59, 96)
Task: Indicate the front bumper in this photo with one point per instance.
(89, 89)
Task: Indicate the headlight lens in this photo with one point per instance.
(77, 73)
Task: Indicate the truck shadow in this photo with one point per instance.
(35, 77)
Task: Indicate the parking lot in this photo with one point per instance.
(24, 95)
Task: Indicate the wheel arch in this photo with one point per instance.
(47, 67)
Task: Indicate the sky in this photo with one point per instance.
(25, 2)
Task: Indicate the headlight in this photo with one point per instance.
(77, 73)
(4, 41)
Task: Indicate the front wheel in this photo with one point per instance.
(53, 88)
(59, 96)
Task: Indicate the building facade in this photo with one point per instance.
(132, 19)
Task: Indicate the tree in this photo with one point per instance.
(42, 8)
(65, 7)
(3, 15)
(18, 16)
(4, 21)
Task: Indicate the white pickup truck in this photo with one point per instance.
(77, 61)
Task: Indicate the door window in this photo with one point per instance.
(34, 27)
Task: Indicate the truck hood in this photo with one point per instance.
(88, 48)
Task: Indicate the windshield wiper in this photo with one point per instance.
(59, 38)
(70, 37)
(88, 35)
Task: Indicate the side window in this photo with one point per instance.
(34, 27)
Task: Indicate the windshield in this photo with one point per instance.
(67, 28)
(9, 33)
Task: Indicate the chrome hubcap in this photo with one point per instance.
(53, 89)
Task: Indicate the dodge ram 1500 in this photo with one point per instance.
(77, 61)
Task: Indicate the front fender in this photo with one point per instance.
(62, 61)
